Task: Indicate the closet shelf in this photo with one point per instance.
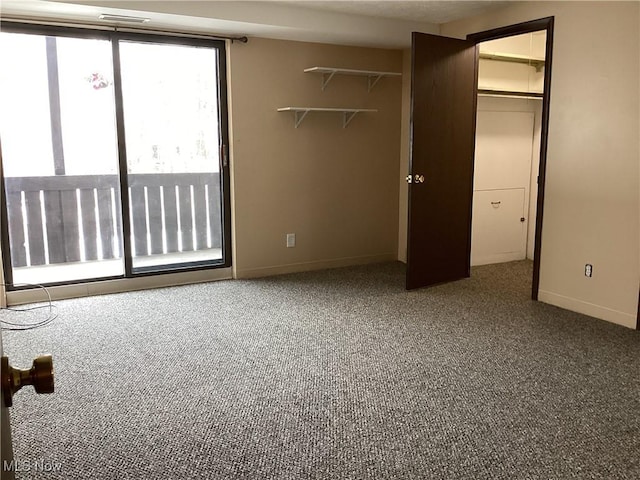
(538, 63)
(301, 112)
(485, 92)
(373, 77)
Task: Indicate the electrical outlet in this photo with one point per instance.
(291, 240)
(588, 270)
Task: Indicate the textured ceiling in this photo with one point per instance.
(431, 11)
(382, 24)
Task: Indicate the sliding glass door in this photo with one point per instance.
(59, 158)
(112, 158)
(171, 111)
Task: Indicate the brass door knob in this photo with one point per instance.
(40, 375)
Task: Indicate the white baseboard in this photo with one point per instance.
(591, 309)
(316, 265)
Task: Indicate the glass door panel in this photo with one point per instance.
(172, 131)
(60, 159)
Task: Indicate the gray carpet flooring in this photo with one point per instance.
(338, 374)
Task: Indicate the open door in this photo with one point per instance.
(443, 116)
(40, 376)
(6, 446)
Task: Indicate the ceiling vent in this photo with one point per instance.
(123, 18)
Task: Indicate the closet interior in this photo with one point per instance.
(510, 90)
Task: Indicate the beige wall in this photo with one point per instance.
(335, 188)
(592, 189)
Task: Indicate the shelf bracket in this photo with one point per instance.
(299, 116)
(326, 78)
(348, 116)
(300, 113)
(372, 80)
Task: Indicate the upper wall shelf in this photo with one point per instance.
(301, 112)
(538, 63)
(328, 73)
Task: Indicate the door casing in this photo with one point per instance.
(518, 29)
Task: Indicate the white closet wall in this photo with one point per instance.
(507, 152)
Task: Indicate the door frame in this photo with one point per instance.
(223, 134)
(509, 31)
(638, 317)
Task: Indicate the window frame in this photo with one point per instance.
(114, 37)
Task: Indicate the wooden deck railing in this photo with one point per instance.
(62, 219)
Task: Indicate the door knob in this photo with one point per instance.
(415, 178)
(40, 375)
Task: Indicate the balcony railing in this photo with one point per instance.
(62, 219)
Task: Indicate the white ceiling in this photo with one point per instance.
(431, 11)
(386, 23)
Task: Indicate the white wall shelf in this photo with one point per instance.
(373, 77)
(538, 63)
(347, 113)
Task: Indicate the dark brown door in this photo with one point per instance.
(443, 113)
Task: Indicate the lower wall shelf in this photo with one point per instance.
(301, 112)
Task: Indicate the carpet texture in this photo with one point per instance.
(338, 374)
